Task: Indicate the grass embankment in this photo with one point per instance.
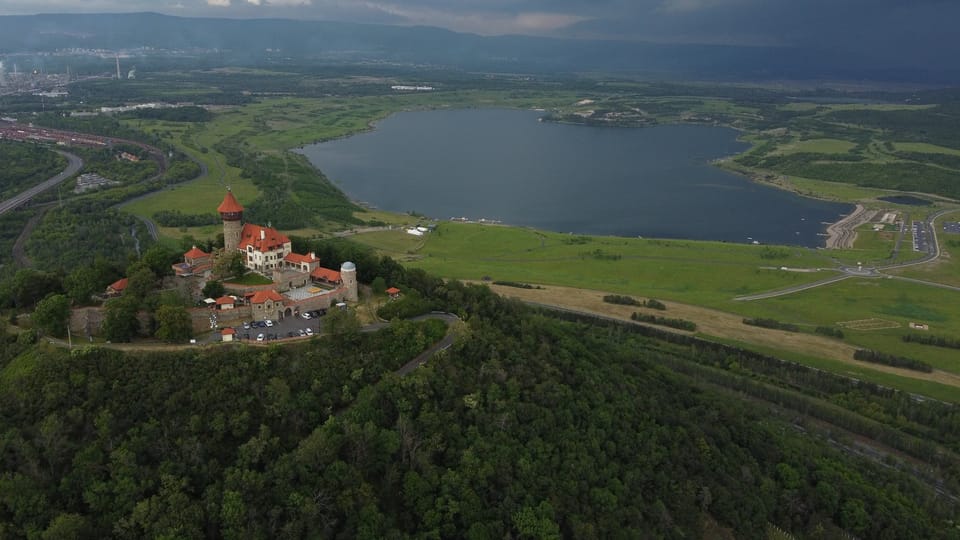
(874, 313)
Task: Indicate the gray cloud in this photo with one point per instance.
(911, 31)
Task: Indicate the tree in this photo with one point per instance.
(174, 323)
(343, 325)
(229, 265)
(160, 260)
(67, 527)
(140, 281)
(120, 323)
(52, 314)
(379, 285)
(213, 289)
(81, 284)
(29, 286)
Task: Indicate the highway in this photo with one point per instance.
(75, 164)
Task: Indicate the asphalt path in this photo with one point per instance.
(74, 165)
(933, 253)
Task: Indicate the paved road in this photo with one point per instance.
(933, 253)
(74, 165)
(295, 324)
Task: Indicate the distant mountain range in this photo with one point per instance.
(254, 39)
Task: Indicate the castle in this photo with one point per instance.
(299, 283)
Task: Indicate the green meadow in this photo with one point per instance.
(709, 274)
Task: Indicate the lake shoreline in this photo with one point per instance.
(729, 208)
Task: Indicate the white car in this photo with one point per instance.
(309, 331)
(259, 337)
(306, 315)
(246, 326)
(268, 322)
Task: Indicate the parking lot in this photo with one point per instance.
(952, 227)
(920, 242)
(288, 328)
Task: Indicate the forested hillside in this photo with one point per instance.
(529, 427)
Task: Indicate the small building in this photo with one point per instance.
(267, 304)
(226, 302)
(228, 334)
(393, 292)
(301, 263)
(326, 276)
(195, 262)
(117, 287)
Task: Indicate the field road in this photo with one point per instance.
(74, 165)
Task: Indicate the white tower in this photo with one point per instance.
(348, 279)
(118, 67)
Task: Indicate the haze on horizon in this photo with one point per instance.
(916, 33)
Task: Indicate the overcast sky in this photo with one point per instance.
(903, 28)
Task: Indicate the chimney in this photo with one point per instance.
(263, 234)
(313, 256)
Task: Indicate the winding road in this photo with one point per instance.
(932, 255)
(73, 166)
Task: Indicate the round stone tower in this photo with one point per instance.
(232, 214)
(348, 278)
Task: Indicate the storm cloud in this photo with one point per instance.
(905, 32)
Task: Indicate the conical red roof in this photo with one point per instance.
(229, 204)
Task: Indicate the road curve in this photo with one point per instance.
(74, 165)
(930, 224)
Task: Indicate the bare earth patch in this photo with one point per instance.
(716, 323)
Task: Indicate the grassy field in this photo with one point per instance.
(925, 148)
(668, 268)
(818, 146)
(708, 274)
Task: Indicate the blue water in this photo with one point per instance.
(506, 165)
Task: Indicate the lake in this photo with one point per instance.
(505, 165)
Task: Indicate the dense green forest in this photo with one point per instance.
(529, 427)
(25, 165)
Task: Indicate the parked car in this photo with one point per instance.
(290, 333)
(306, 315)
(259, 337)
(246, 326)
(302, 333)
(309, 331)
(268, 322)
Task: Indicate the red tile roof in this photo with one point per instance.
(118, 285)
(225, 300)
(196, 253)
(297, 258)
(229, 204)
(228, 331)
(272, 239)
(325, 273)
(262, 296)
(393, 290)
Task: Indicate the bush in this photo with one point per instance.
(621, 300)
(891, 360)
(654, 304)
(772, 323)
(829, 331)
(936, 341)
(681, 324)
(517, 285)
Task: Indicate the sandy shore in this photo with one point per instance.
(842, 234)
